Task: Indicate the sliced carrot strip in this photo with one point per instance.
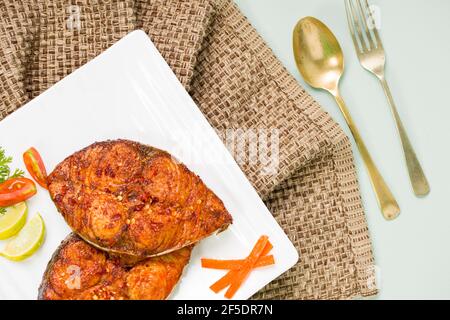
(257, 250)
(224, 282)
(267, 249)
(221, 264)
(251, 260)
(236, 264)
(263, 261)
(237, 282)
(240, 269)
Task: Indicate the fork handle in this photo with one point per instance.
(416, 175)
(386, 200)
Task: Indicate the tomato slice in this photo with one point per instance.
(35, 166)
(16, 190)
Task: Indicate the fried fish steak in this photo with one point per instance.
(132, 199)
(79, 271)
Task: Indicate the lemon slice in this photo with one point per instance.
(27, 242)
(12, 221)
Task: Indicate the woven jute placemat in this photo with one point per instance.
(308, 181)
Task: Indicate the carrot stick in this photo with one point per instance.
(267, 248)
(224, 282)
(240, 269)
(263, 261)
(251, 260)
(237, 282)
(236, 264)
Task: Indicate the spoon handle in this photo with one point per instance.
(418, 180)
(386, 200)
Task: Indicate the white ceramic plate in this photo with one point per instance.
(130, 92)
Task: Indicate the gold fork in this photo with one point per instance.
(372, 57)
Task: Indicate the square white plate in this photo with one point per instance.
(130, 92)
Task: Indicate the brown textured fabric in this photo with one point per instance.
(239, 85)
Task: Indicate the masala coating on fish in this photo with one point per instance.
(133, 199)
(79, 271)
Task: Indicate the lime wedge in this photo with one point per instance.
(12, 221)
(27, 242)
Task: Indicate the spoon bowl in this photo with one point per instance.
(317, 53)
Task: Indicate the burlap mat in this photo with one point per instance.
(239, 85)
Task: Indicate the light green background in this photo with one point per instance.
(412, 253)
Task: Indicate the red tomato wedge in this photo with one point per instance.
(35, 166)
(16, 190)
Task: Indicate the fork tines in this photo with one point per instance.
(359, 15)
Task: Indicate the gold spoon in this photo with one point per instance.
(320, 60)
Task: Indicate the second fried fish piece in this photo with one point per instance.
(78, 271)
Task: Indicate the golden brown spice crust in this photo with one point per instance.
(78, 271)
(133, 199)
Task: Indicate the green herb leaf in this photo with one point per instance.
(2, 211)
(5, 171)
(17, 174)
(4, 165)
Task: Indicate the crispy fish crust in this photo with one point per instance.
(132, 199)
(78, 271)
